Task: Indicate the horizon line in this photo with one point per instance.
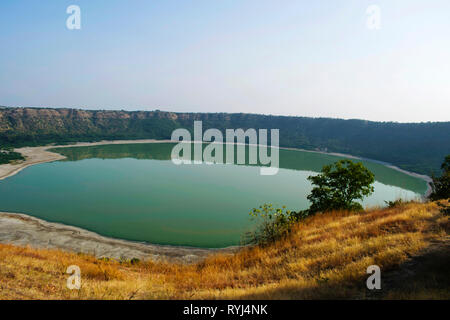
(221, 112)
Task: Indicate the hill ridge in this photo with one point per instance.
(417, 147)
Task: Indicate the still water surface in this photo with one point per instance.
(135, 192)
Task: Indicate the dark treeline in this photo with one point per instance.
(418, 147)
(7, 156)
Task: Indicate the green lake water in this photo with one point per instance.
(135, 192)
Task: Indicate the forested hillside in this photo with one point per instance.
(418, 147)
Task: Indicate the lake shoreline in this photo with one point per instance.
(23, 229)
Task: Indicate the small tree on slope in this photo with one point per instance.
(339, 185)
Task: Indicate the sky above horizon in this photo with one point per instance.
(303, 58)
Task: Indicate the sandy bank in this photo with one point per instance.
(22, 230)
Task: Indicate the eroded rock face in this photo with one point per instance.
(28, 125)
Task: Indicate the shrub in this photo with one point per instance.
(441, 185)
(395, 203)
(444, 208)
(272, 224)
(7, 155)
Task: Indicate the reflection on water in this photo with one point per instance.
(289, 159)
(135, 192)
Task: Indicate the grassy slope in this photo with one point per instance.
(325, 257)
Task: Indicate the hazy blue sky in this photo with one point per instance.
(309, 58)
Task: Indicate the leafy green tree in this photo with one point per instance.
(441, 185)
(339, 185)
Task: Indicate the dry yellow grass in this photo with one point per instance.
(326, 256)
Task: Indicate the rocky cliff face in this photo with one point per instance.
(35, 121)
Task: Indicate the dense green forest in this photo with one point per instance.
(418, 147)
